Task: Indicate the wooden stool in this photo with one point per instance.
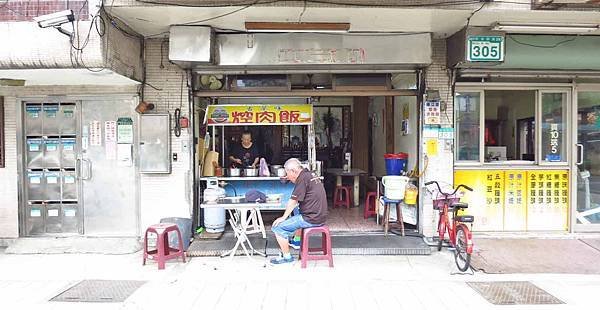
(386, 214)
(163, 250)
(325, 248)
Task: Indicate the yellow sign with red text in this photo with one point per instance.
(271, 114)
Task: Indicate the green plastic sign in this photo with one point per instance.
(485, 48)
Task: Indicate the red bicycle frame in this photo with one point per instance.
(444, 225)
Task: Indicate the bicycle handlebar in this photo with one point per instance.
(447, 194)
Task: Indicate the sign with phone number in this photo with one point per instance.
(485, 48)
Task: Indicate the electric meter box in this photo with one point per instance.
(155, 143)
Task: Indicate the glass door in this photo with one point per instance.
(587, 212)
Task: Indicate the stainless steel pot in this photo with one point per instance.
(234, 172)
(250, 172)
(277, 170)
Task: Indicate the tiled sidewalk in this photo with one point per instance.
(367, 282)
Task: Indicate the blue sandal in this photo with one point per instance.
(281, 260)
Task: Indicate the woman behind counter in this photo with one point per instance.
(246, 154)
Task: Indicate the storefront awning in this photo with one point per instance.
(200, 48)
(541, 74)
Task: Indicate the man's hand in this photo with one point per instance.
(278, 221)
(239, 161)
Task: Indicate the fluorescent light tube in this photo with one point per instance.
(548, 28)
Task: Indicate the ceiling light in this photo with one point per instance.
(296, 27)
(546, 28)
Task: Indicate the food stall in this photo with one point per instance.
(232, 185)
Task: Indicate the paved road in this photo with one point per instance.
(367, 282)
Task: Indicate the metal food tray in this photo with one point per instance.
(236, 199)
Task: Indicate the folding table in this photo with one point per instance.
(245, 219)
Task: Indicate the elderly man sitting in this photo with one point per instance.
(309, 195)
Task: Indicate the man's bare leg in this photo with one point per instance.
(283, 244)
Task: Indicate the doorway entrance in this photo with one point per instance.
(587, 211)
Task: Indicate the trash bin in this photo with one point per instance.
(185, 227)
(395, 164)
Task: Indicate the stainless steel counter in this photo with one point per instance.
(245, 205)
(243, 178)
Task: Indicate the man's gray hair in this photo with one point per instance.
(293, 164)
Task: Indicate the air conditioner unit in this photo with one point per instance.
(189, 45)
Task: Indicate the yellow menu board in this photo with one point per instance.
(487, 198)
(548, 203)
(517, 200)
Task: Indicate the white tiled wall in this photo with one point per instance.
(8, 176)
(441, 168)
(168, 195)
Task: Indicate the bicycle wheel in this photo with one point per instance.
(462, 258)
(441, 232)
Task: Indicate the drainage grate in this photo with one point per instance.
(99, 291)
(513, 293)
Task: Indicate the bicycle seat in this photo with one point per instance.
(459, 205)
(465, 218)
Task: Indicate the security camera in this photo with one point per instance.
(55, 19)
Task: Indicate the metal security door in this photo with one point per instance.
(108, 167)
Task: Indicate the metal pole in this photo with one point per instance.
(222, 146)
(213, 137)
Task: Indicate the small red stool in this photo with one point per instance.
(342, 196)
(163, 250)
(370, 205)
(305, 250)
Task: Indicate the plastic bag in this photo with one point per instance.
(410, 194)
(263, 169)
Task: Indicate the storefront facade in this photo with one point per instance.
(340, 72)
(558, 90)
(524, 134)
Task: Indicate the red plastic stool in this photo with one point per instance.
(370, 205)
(163, 250)
(305, 250)
(342, 196)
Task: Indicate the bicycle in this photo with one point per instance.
(460, 237)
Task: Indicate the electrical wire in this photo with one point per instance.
(177, 123)
(5, 5)
(557, 44)
(303, 11)
(332, 2)
(214, 17)
(473, 13)
(259, 2)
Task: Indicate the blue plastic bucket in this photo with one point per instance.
(395, 164)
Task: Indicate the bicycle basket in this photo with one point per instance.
(438, 203)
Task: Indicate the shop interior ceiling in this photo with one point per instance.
(308, 81)
(150, 21)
